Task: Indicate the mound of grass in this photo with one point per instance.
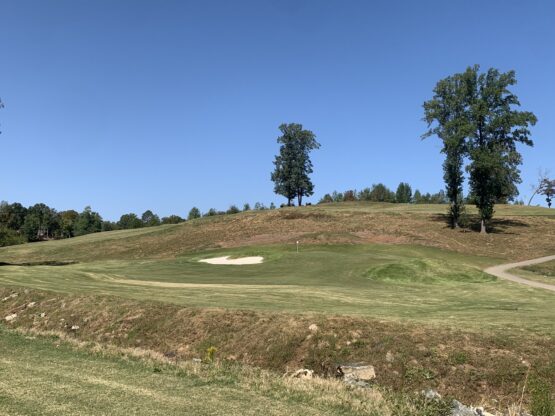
(427, 271)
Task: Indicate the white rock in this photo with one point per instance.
(31, 304)
(11, 317)
(389, 357)
(313, 328)
(42, 315)
(74, 327)
(358, 372)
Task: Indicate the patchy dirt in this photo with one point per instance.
(471, 366)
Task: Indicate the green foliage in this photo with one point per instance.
(88, 222)
(475, 118)
(246, 207)
(150, 219)
(292, 166)
(129, 221)
(378, 193)
(210, 354)
(403, 194)
(211, 212)
(173, 219)
(41, 222)
(9, 237)
(326, 199)
(447, 109)
(541, 403)
(68, 220)
(13, 215)
(233, 210)
(194, 213)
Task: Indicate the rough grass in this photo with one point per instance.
(544, 272)
(473, 366)
(518, 233)
(117, 381)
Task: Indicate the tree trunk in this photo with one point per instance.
(300, 199)
(483, 227)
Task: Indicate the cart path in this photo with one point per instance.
(501, 271)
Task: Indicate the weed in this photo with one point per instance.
(210, 354)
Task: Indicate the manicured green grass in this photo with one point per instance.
(387, 281)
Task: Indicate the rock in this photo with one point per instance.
(460, 409)
(197, 360)
(313, 328)
(431, 394)
(303, 373)
(31, 304)
(389, 357)
(42, 315)
(74, 327)
(13, 295)
(11, 317)
(353, 373)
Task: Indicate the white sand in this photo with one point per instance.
(237, 262)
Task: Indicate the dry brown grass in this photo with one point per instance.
(517, 233)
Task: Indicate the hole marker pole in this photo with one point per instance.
(297, 246)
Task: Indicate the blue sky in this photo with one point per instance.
(162, 105)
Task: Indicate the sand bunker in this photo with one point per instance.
(237, 262)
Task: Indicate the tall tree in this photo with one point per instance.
(446, 115)
(150, 219)
(293, 166)
(129, 221)
(41, 222)
(496, 128)
(548, 190)
(403, 194)
(194, 213)
(88, 222)
(68, 219)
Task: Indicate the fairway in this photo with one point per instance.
(388, 281)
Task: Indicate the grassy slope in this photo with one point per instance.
(397, 262)
(69, 381)
(472, 366)
(520, 233)
(407, 264)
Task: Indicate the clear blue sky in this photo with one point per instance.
(162, 105)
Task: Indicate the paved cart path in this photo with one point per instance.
(501, 271)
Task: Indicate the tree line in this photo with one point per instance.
(381, 193)
(39, 222)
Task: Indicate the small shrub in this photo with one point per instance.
(210, 354)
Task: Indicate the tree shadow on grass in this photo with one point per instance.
(496, 225)
(40, 263)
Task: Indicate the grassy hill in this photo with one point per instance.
(374, 277)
